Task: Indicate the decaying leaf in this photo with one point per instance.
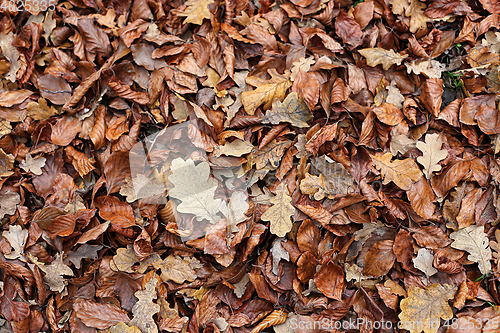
(279, 214)
(33, 164)
(423, 309)
(473, 240)
(401, 172)
(196, 12)
(423, 262)
(432, 154)
(145, 308)
(17, 237)
(266, 91)
(379, 56)
(175, 269)
(54, 273)
(194, 187)
(293, 110)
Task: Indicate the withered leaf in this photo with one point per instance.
(474, 240)
(423, 309)
(175, 269)
(99, 315)
(432, 154)
(279, 214)
(293, 110)
(33, 164)
(54, 273)
(379, 56)
(194, 187)
(17, 237)
(266, 91)
(145, 308)
(403, 173)
(196, 12)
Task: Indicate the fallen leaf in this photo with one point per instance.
(379, 56)
(266, 92)
(403, 173)
(432, 154)
(194, 187)
(423, 309)
(99, 315)
(33, 165)
(293, 110)
(54, 273)
(175, 269)
(17, 237)
(473, 240)
(423, 262)
(196, 12)
(145, 309)
(279, 214)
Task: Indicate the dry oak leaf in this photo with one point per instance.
(99, 315)
(423, 308)
(379, 56)
(194, 187)
(236, 148)
(235, 210)
(145, 308)
(432, 153)
(293, 110)
(401, 144)
(124, 259)
(122, 328)
(280, 213)
(34, 165)
(403, 173)
(315, 187)
(85, 251)
(266, 91)
(6, 164)
(40, 110)
(17, 237)
(196, 12)
(474, 240)
(175, 269)
(54, 272)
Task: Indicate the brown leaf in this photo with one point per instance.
(432, 91)
(330, 280)
(115, 211)
(9, 98)
(379, 259)
(99, 315)
(65, 130)
(430, 237)
(388, 114)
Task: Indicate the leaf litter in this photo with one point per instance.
(238, 166)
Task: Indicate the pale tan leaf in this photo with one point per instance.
(432, 154)
(279, 214)
(423, 309)
(403, 173)
(379, 56)
(474, 240)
